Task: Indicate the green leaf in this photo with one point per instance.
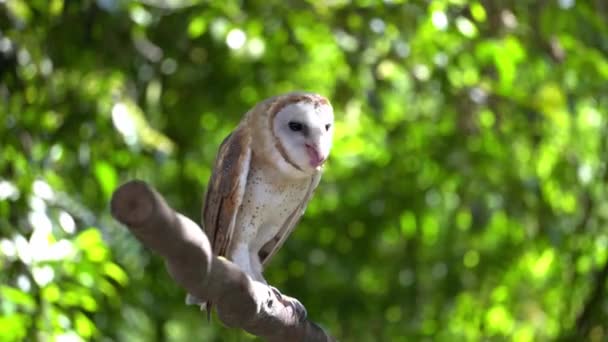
(106, 177)
(18, 297)
(197, 27)
(114, 271)
(84, 326)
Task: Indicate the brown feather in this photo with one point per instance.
(225, 192)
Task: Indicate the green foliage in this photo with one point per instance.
(465, 198)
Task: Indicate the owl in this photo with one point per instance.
(265, 173)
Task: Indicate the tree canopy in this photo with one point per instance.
(465, 197)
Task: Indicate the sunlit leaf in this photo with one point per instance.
(540, 267)
(84, 326)
(107, 178)
(51, 293)
(197, 26)
(499, 320)
(17, 297)
(115, 272)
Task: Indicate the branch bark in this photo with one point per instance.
(240, 301)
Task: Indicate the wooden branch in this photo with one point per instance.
(240, 301)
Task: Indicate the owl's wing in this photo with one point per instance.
(225, 190)
(272, 246)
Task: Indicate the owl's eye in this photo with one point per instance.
(295, 126)
(327, 127)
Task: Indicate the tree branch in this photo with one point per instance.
(240, 301)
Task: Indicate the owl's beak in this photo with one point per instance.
(316, 159)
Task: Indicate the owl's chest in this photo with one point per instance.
(267, 204)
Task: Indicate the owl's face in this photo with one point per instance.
(304, 130)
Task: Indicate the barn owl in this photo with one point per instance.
(264, 175)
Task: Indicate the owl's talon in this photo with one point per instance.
(297, 308)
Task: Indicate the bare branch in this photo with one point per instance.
(240, 302)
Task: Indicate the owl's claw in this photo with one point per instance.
(298, 309)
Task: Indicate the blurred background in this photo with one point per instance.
(465, 198)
